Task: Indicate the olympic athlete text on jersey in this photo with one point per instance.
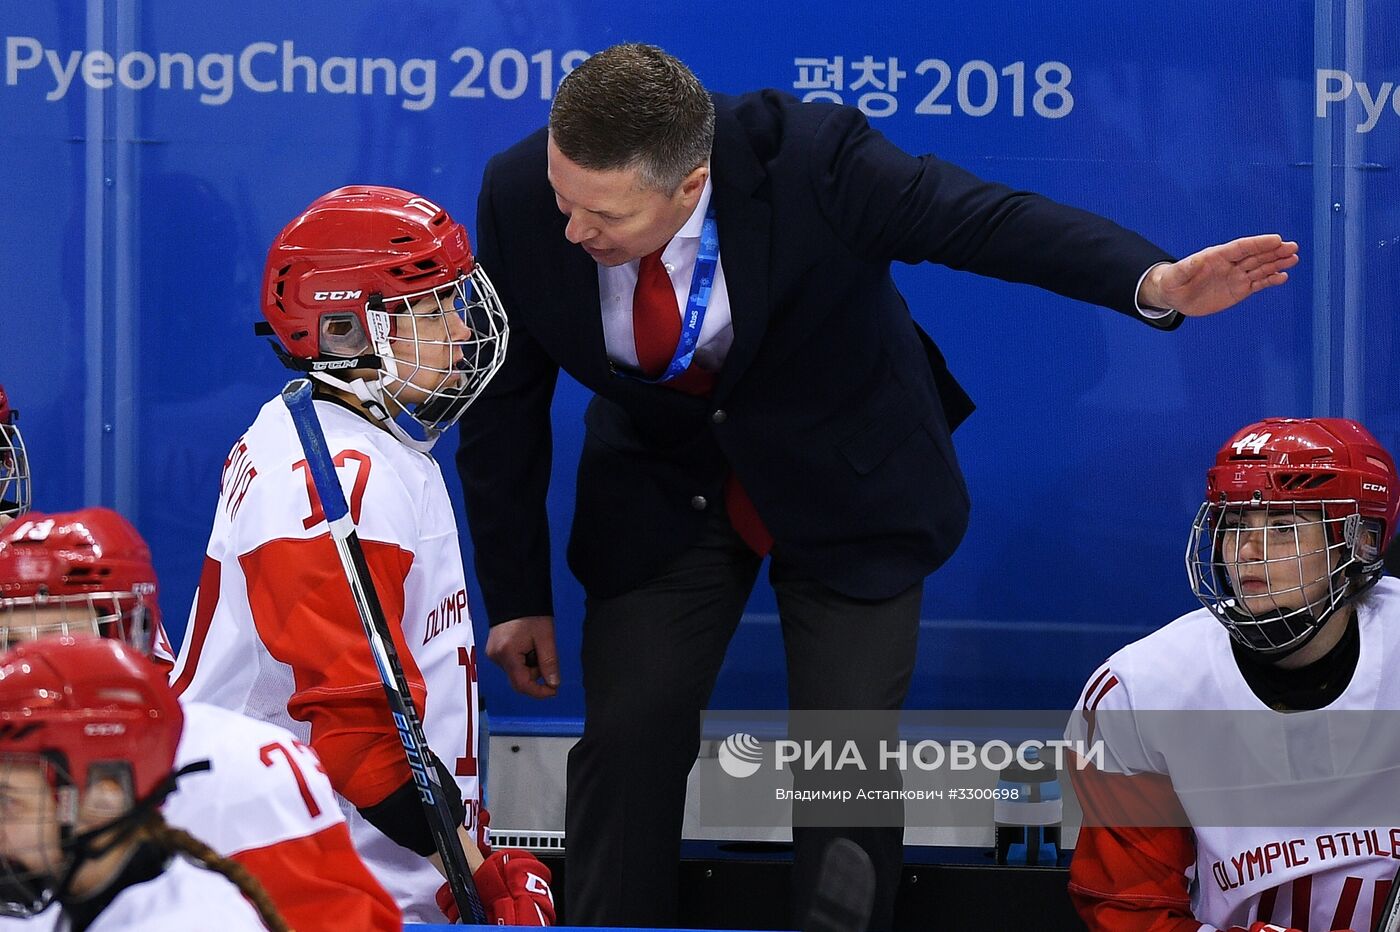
(374, 292)
(1286, 558)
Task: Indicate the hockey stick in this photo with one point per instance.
(297, 397)
(1389, 919)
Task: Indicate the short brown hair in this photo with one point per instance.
(630, 106)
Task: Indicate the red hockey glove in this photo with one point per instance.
(514, 888)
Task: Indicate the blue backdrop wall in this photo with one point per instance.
(152, 149)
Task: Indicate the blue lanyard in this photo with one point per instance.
(702, 280)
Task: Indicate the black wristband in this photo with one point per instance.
(401, 818)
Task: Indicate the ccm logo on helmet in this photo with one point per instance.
(323, 365)
(336, 295)
(104, 729)
(1372, 487)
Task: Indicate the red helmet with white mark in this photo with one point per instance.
(380, 279)
(1274, 483)
(85, 571)
(73, 712)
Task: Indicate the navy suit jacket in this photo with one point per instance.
(834, 409)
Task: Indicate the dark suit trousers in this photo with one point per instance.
(650, 659)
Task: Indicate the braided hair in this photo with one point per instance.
(178, 841)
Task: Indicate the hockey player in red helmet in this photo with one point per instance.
(262, 802)
(88, 732)
(375, 293)
(14, 464)
(1293, 529)
(81, 572)
(1285, 555)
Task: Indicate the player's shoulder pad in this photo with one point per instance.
(1165, 661)
(382, 479)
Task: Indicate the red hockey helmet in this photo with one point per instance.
(75, 711)
(371, 277)
(94, 704)
(78, 571)
(15, 494)
(1327, 470)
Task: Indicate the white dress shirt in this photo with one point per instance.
(616, 284)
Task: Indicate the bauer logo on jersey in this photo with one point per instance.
(336, 295)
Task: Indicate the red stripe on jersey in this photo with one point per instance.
(1346, 904)
(1091, 716)
(1089, 690)
(306, 618)
(1267, 899)
(1112, 682)
(318, 881)
(199, 625)
(1378, 900)
(1302, 900)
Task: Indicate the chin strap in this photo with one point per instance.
(83, 846)
(1350, 581)
(370, 395)
(24, 892)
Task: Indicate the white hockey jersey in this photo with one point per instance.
(1315, 878)
(185, 898)
(266, 802)
(274, 634)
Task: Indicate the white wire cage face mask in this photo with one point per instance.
(1273, 574)
(123, 616)
(15, 493)
(438, 349)
(38, 806)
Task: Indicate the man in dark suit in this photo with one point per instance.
(717, 271)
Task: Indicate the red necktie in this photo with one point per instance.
(656, 329)
(656, 320)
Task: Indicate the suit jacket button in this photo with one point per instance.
(698, 502)
(720, 416)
